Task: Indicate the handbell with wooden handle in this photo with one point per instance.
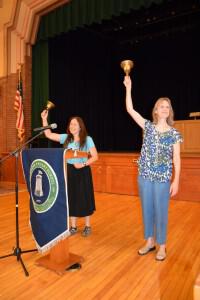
(49, 105)
(127, 65)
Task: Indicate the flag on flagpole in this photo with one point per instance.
(18, 106)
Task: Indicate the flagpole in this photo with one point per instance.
(18, 106)
(19, 73)
(18, 84)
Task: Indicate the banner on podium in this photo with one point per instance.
(45, 175)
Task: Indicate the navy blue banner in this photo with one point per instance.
(45, 175)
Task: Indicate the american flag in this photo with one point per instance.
(18, 106)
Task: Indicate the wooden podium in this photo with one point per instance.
(59, 259)
(191, 137)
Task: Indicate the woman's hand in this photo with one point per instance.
(127, 82)
(47, 132)
(44, 114)
(79, 165)
(173, 189)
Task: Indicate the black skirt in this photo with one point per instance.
(80, 191)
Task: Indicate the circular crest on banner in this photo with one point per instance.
(43, 185)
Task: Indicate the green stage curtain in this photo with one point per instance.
(40, 81)
(68, 17)
(78, 13)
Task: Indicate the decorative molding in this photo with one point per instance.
(21, 32)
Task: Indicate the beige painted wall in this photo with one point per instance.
(19, 21)
(1, 51)
(5, 17)
(5, 11)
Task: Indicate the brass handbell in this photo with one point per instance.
(49, 105)
(127, 65)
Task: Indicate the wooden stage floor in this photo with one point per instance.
(112, 268)
(7, 188)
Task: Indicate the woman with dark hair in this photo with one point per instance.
(160, 149)
(79, 177)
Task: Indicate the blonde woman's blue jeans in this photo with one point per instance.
(155, 202)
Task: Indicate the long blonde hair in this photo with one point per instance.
(170, 119)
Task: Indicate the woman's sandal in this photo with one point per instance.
(146, 249)
(73, 230)
(161, 255)
(86, 231)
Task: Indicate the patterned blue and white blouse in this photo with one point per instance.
(155, 162)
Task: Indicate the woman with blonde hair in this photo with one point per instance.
(160, 150)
